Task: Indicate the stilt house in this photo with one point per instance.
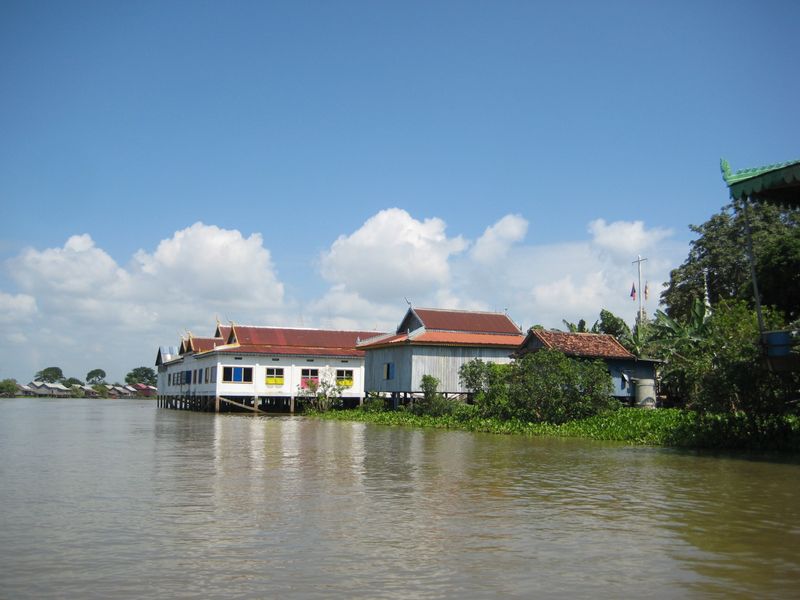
(436, 342)
(259, 368)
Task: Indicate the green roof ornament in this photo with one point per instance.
(725, 167)
(779, 183)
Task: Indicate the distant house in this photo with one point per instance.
(89, 391)
(436, 342)
(43, 388)
(143, 390)
(25, 390)
(633, 378)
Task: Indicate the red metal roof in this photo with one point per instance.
(299, 338)
(466, 321)
(205, 344)
(222, 331)
(595, 345)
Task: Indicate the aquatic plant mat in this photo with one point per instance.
(660, 427)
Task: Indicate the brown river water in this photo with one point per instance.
(119, 499)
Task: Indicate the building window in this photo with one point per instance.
(187, 377)
(237, 374)
(308, 376)
(388, 370)
(207, 373)
(344, 377)
(213, 374)
(274, 376)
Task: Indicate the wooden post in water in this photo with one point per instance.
(216, 404)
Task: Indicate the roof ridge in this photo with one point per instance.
(240, 326)
(462, 310)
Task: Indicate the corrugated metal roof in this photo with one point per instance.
(197, 344)
(466, 321)
(299, 338)
(592, 345)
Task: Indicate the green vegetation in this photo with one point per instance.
(545, 386)
(718, 256)
(664, 427)
(8, 387)
(320, 395)
(144, 375)
(50, 375)
(95, 377)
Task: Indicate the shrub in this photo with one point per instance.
(547, 386)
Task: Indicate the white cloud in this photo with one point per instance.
(15, 308)
(86, 311)
(77, 308)
(495, 242)
(536, 283)
(625, 238)
(392, 255)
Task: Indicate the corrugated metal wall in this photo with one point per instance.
(374, 365)
(445, 362)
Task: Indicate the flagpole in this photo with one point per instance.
(638, 262)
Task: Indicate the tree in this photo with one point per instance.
(611, 324)
(478, 377)
(321, 394)
(580, 327)
(144, 375)
(72, 381)
(95, 376)
(714, 363)
(547, 386)
(8, 387)
(718, 256)
(50, 375)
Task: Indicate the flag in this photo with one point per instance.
(633, 291)
(646, 290)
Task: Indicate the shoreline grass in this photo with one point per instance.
(661, 427)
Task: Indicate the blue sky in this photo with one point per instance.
(312, 163)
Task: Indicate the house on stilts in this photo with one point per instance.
(259, 369)
(435, 342)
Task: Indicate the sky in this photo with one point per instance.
(166, 164)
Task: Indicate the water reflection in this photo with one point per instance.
(120, 499)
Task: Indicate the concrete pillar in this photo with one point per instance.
(291, 404)
(216, 404)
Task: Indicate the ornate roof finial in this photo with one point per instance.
(725, 167)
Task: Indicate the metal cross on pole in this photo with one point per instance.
(638, 262)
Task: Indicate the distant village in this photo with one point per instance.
(44, 389)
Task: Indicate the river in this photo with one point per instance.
(119, 499)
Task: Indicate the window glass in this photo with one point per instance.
(227, 373)
(274, 376)
(308, 376)
(388, 370)
(344, 377)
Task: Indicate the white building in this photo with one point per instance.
(263, 368)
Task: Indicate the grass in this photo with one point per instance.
(661, 427)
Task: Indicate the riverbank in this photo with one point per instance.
(661, 427)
